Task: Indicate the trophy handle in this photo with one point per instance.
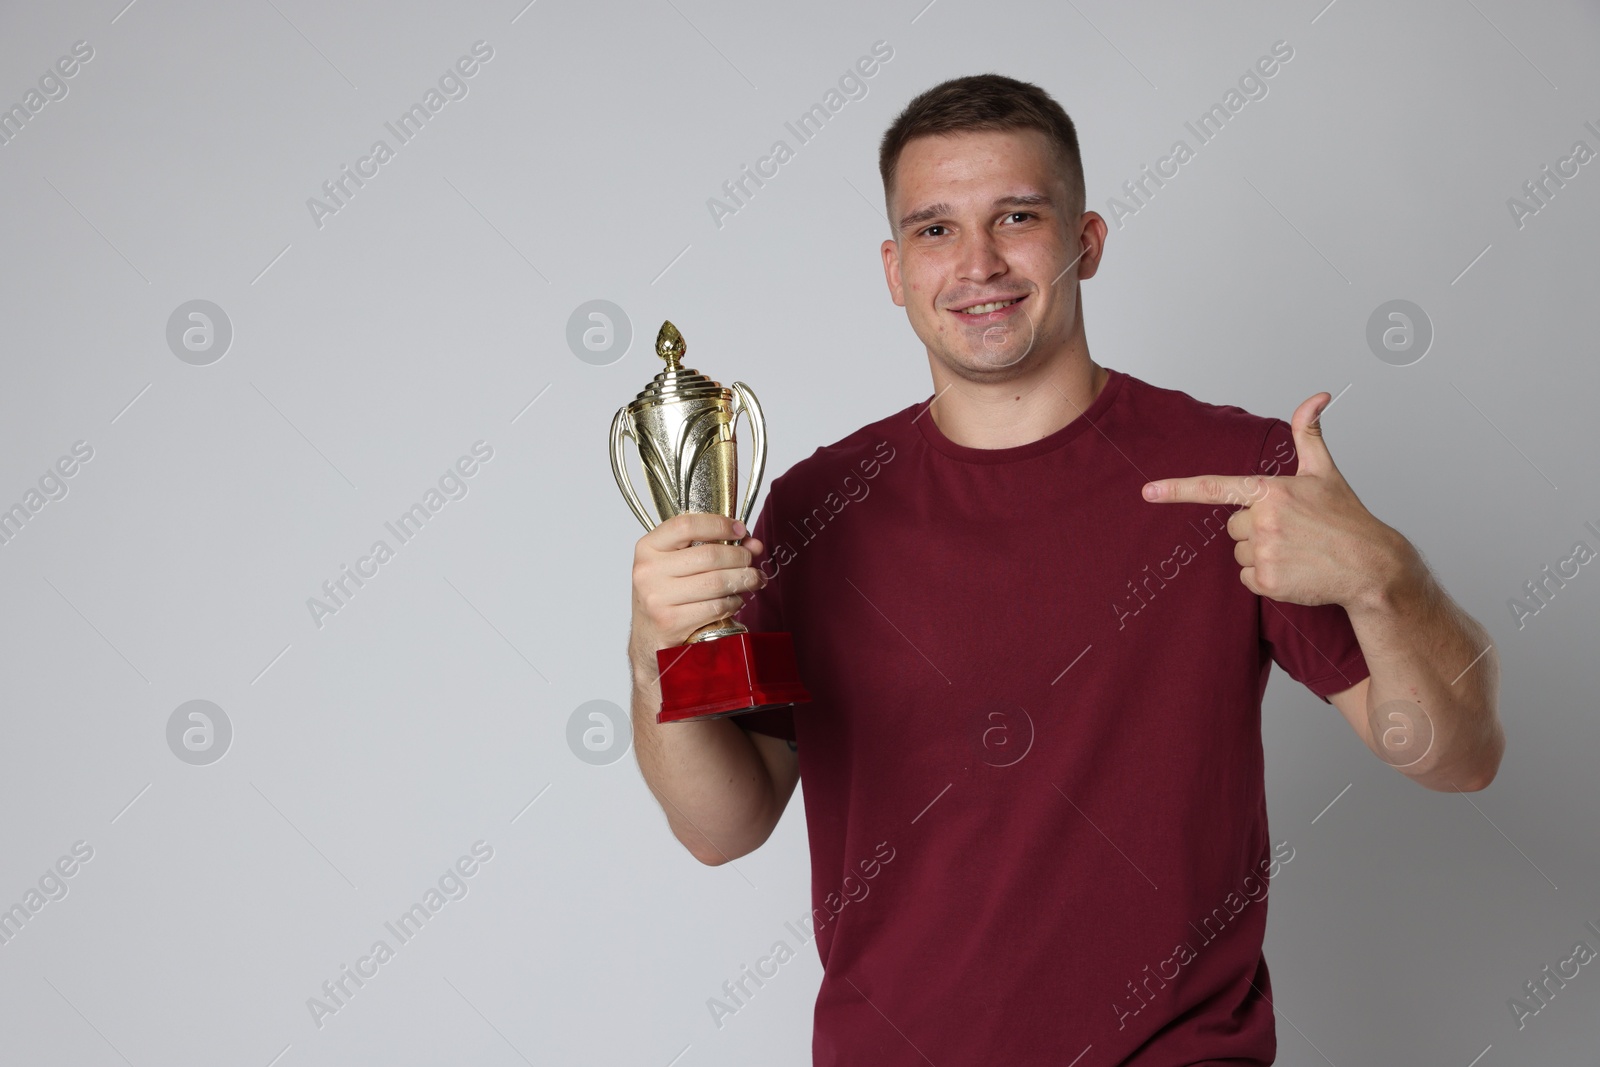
(745, 400)
(621, 426)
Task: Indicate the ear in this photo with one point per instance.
(1092, 243)
(891, 272)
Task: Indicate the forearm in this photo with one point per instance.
(707, 776)
(1424, 650)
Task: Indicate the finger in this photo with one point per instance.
(1248, 577)
(706, 611)
(1207, 489)
(710, 586)
(1244, 553)
(1315, 459)
(696, 559)
(686, 620)
(1241, 524)
(684, 529)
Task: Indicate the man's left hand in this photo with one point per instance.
(1303, 538)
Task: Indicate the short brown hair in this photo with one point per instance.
(985, 102)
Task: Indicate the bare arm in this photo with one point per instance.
(722, 789)
(1429, 707)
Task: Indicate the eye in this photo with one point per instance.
(1024, 214)
(925, 230)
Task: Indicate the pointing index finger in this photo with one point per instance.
(1207, 489)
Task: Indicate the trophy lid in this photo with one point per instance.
(677, 382)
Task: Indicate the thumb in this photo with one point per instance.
(1315, 459)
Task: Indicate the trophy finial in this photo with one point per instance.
(670, 345)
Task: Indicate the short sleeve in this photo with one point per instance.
(1316, 646)
(763, 613)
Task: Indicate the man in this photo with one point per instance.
(1033, 764)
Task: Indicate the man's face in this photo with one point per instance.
(983, 217)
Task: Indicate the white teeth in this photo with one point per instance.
(984, 309)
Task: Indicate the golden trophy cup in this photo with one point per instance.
(682, 425)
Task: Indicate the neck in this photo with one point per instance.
(1049, 395)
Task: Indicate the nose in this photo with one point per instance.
(979, 258)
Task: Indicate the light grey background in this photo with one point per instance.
(368, 354)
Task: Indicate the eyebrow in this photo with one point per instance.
(933, 211)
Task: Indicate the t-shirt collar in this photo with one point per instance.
(1049, 443)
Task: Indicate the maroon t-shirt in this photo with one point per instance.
(1032, 763)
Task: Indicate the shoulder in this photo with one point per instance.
(859, 456)
(1177, 424)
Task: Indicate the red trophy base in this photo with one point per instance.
(728, 676)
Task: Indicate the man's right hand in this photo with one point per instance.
(721, 788)
(679, 585)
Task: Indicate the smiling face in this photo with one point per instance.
(989, 253)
